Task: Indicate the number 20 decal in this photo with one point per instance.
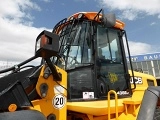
(59, 101)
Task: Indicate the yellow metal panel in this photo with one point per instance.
(95, 108)
(46, 105)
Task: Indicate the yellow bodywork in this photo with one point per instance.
(46, 104)
(52, 94)
(127, 107)
(117, 109)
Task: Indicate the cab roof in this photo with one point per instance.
(93, 16)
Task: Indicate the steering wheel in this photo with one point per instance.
(73, 61)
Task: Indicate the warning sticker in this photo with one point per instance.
(88, 95)
(59, 101)
(85, 95)
(58, 89)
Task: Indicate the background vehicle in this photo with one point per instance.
(83, 74)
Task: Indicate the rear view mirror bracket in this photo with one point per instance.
(47, 45)
(57, 76)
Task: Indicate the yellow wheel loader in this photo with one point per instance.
(83, 75)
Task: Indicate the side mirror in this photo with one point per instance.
(109, 20)
(47, 44)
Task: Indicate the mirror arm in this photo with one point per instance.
(57, 76)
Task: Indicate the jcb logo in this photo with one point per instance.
(113, 77)
(138, 80)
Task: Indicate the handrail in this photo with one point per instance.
(116, 104)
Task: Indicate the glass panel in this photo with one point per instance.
(150, 71)
(129, 67)
(156, 72)
(76, 45)
(149, 64)
(155, 63)
(150, 82)
(79, 81)
(144, 65)
(156, 68)
(115, 51)
(108, 45)
(103, 47)
(159, 63)
(139, 65)
(145, 71)
(76, 50)
(80, 49)
(113, 75)
(110, 68)
(74, 57)
(134, 65)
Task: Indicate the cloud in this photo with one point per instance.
(129, 14)
(137, 48)
(131, 9)
(17, 41)
(17, 10)
(47, 1)
(80, 1)
(153, 23)
(17, 35)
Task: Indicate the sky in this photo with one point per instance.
(22, 20)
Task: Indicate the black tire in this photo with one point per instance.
(22, 115)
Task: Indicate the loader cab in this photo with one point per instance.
(92, 52)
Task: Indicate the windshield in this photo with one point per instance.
(76, 45)
(111, 71)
